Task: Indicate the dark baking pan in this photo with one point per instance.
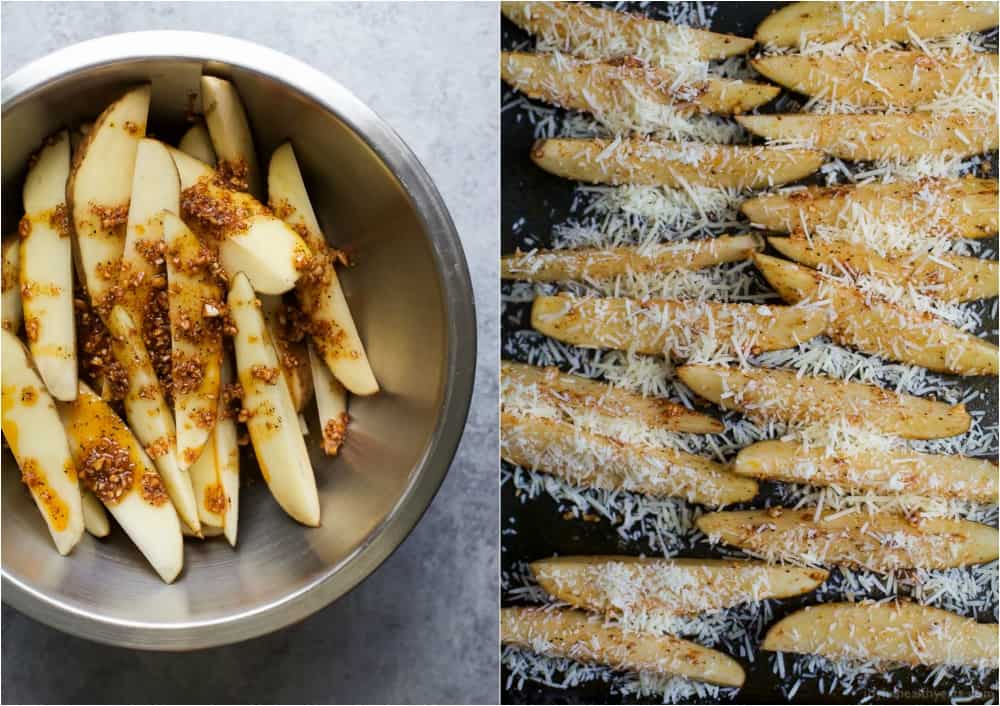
(532, 202)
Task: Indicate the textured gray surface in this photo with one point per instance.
(422, 629)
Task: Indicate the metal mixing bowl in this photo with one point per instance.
(411, 297)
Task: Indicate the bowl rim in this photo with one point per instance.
(461, 335)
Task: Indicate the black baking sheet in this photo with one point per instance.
(532, 202)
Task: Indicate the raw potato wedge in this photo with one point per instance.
(590, 264)
(148, 414)
(672, 327)
(627, 93)
(113, 465)
(198, 143)
(321, 298)
(801, 22)
(248, 236)
(155, 189)
(196, 308)
(273, 423)
(95, 517)
(100, 188)
(953, 208)
(215, 475)
(648, 162)
(331, 404)
(880, 541)
(578, 393)
(783, 396)
(649, 587)
(292, 354)
(948, 277)
(879, 471)
(869, 137)
(893, 633)
(902, 79)
(36, 437)
(596, 33)
(873, 325)
(586, 638)
(12, 311)
(591, 460)
(46, 269)
(232, 141)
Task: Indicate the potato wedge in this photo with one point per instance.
(247, 235)
(625, 585)
(882, 79)
(586, 638)
(113, 465)
(149, 416)
(876, 326)
(952, 208)
(273, 423)
(46, 269)
(783, 396)
(627, 94)
(331, 404)
(155, 189)
(589, 264)
(677, 328)
(99, 190)
(12, 311)
(801, 22)
(878, 471)
(232, 141)
(883, 136)
(881, 541)
(948, 277)
(293, 355)
(661, 163)
(95, 517)
(897, 632)
(596, 33)
(575, 392)
(36, 437)
(196, 309)
(198, 143)
(321, 297)
(591, 460)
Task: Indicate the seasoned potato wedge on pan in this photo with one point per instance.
(874, 325)
(596, 33)
(586, 638)
(801, 22)
(12, 310)
(672, 327)
(951, 208)
(662, 163)
(885, 136)
(878, 471)
(578, 393)
(626, 94)
(881, 541)
(623, 585)
(947, 277)
(766, 394)
(232, 141)
(198, 143)
(897, 632)
(35, 434)
(588, 459)
(884, 79)
(46, 269)
(591, 264)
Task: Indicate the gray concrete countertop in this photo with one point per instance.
(422, 628)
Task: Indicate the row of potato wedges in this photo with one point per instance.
(137, 220)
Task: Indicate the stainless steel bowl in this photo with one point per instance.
(411, 297)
